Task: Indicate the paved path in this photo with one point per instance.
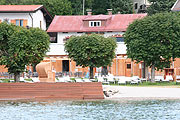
(143, 92)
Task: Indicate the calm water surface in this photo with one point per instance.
(91, 110)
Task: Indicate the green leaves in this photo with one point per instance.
(159, 6)
(22, 46)
(91, 50)
(154, 39)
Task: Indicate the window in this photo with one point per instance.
(128, 66)
(136, 6)
(53, 37)
(119, 39)
(102, 33)
(19, 22)
(94, 23)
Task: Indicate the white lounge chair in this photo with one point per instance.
(135, 80)
(86, 80)
(67, 79)
(177, 79)
(101, 79)
(22, 79)
(110, 79)
(159, 78)
(79, 80)
(35, 80)
(60, 79)
(168, 78)
(121, 81)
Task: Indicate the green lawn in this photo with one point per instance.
(11, 80)
(150, 84)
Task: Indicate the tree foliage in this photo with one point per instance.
(159, 6)
(20, 47)
(122, 6)
(75, 7)
(91, 50)
(154, 39)
(55, 7)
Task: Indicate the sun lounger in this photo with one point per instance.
(159, 78)
(67, 79)
(110, 79)
(79, 80)
(135, 80)
(60, 79)
(101, 79)
(22, 79)
(143, 79)
(168, 78)
(86, 80)
(121, 81)
(35, 80)
(177, 79)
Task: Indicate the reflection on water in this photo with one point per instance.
(91, 110)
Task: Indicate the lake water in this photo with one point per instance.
(91, 110)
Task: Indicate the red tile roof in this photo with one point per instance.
(97, 17)
(19, 8)
(118, 22)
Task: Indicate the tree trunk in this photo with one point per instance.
(104, 71)
(17, 77)
(146, 72)
(131, 68)
(91, 73)
(153, 73)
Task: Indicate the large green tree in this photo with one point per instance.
(122, 6)
(20, 47)
(77, 6)
(101, 6)
(154, 40)
(159, 6)
(91, 50)
(55, 7)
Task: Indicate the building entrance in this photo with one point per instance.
(65, 65)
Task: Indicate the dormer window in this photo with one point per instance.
(94, 23)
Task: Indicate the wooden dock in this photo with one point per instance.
(69, 91)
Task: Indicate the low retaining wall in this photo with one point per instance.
(10, 91)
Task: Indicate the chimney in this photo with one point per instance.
(89, 11)
(109, 11)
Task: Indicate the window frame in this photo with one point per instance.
(120, 41)
(94, 23)
(53, 37)
(19, 22)
(136, 6)
(128, 65)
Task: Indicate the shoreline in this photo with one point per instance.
(127, 92)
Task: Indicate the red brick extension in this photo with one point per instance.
(70, 91)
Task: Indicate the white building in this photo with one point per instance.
(63, 27)
(25, 15)
(176, 6)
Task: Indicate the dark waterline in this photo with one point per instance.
(91, 110)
